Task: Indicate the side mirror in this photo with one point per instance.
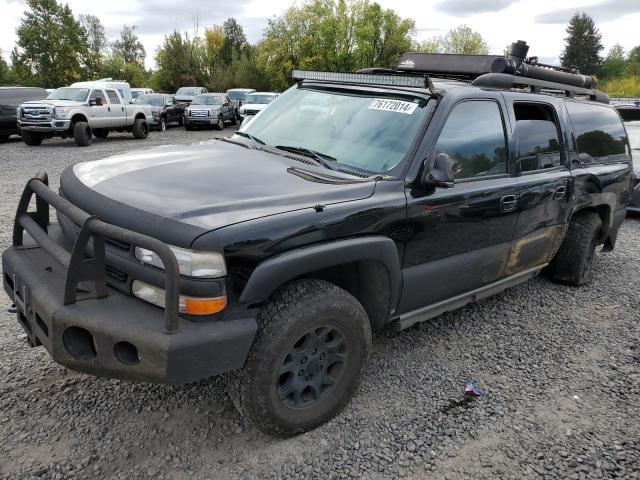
(93, 102)
(441, 174)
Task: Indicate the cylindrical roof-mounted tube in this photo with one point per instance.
(515, 65)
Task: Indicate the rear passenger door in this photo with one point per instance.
(460, 238)
(544, 180)
(118, 114)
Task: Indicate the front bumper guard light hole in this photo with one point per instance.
(126, 353)
(78, 343)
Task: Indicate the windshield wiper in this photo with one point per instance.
(321, 158)
(250, 137)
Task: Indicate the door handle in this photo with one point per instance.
(560, 192)
(108, 109)
(509, 203)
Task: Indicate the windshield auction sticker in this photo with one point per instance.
(397, 106)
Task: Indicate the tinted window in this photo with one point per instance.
(473, 136)
(539, 145)
(600, 136)
(113, 96)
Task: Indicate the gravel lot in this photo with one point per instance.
(560, 367)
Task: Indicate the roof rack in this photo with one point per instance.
(514, 71)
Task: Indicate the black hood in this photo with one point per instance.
(203, 186)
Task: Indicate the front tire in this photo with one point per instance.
(573, 264)
(33, 139)
(313, 339)
(140, 129)
(220, 124)
(82, 134)
(163, 125)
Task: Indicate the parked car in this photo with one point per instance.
(271, 255)
(631, 116)
(136, 92)
(255, 102)
(10, 99)
(237, 96)
(82, 112)
(163, 108)
(185, 95)
(209, 110)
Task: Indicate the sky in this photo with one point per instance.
(541, 23)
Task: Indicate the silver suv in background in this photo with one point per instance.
(185, 95)
(254, 103)
(82, 113)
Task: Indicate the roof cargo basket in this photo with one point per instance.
(514, 71)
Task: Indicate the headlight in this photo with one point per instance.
(156, 113)
(242, 110)
(191, 305)
(190, 262)
(61, 112)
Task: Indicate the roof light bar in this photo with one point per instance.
(416, 81)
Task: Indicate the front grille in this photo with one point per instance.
(199, 113)
(36, 114)
(116, 274)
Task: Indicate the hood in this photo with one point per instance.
(53, 103)
(184, 98)
(254, 106)
(208, 185)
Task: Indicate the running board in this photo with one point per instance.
(409, 319)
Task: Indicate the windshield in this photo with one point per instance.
(262, 99)
(149, 100)
(73, 94)
(187, 91)
(208, 100)
(236, 94)
(368, 131)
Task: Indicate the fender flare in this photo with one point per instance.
(276, 271)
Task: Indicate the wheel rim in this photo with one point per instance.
(312, 367)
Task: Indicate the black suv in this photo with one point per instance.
(356, 201)
(10, 99)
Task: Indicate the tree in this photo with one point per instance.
(179, 61)
(96, 41)
(114, 66)
(614, 63)
(461, 40)
(234, 40)
(51, 49)
(4, 71)
(129, 46)
(583, 45)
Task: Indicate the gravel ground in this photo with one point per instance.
(560, 368)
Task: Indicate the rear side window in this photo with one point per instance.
(473, 136)
(113, 96)
(599, 133)
(538, 137)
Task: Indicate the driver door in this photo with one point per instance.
(100, 116)
(459, 238)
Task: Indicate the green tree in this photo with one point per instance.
(4, 71)
(129, 46)
(461, 40)
(614, 63)
(233, 41)
(51, 49)
(114, 66)
(583, 45)
(180, 62)
(96, 42)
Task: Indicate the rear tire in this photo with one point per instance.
(312, 341)
(100, 133)
(573, 264)
(82, 134)
(140, 129)
(220, 124)
(33, 139)
(163, 125)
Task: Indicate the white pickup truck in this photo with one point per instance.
(82, 112)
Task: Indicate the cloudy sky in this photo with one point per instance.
(540, 22)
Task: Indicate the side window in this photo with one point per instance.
(98, 96)
(600, 135)
(537, 136)
(113, 96)
(473, 136)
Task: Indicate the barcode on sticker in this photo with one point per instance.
(397, 106)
